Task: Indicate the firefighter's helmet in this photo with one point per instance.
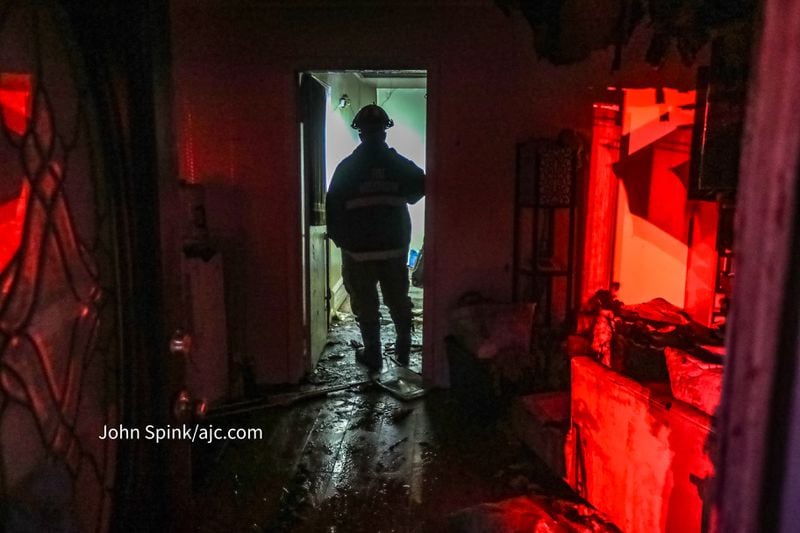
(371, 115)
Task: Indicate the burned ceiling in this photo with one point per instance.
(567, 31)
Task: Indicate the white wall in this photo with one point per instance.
(340, 138)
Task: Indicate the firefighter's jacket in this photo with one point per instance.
(366, 205)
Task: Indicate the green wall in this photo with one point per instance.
(408, 109)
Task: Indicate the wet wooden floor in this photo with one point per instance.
(360, 462)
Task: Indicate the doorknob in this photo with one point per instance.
(180, 343)
(187, 409)
(182, 409)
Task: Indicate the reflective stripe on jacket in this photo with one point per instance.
(367, 213)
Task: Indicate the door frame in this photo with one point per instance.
(434, 365)
(307, 216)
(759, 417)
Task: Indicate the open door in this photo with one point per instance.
(315, 248)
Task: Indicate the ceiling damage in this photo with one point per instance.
(567, 31)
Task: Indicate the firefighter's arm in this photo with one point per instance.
(413, 181)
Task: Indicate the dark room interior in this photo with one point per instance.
(400, 266)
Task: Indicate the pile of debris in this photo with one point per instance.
(631, 339)
(530, 514)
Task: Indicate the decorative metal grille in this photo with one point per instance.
(59, 343)
(556, 174)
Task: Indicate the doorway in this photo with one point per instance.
(329, 102)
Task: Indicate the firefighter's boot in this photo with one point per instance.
(402, 343)
(370, 356)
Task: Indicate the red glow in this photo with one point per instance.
(12, 219)
(602, 194)
(636, 453)
(640, 228)
(702, 267)
(15, 96)
(186, 143)
(651, 241)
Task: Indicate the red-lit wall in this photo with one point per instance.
(652, 229)
(235, 66)
(637, 454)
(652, 237)
(701, 271)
